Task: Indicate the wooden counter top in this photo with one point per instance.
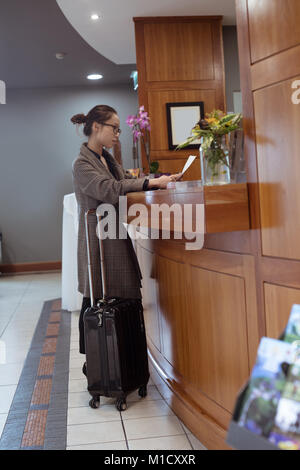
(226, 206)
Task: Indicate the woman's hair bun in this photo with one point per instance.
(100, 113)
(78, 119)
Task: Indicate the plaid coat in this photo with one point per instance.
(94, 184)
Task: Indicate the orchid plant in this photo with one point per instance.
(140, 126)
(139, 123)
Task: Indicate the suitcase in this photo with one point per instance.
(115, 342)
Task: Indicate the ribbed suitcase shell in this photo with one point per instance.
(116, 348)
(115, 342)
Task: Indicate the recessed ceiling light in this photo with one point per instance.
(95, 16)
(60, 55)
(95, 76)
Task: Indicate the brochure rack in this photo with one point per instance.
(239, 437)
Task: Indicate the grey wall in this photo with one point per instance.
(232, 71)
(37, 146)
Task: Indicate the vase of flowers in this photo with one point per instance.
(140, 126)
(214, 161)
(214, 152)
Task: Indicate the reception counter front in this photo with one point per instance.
(200, 308)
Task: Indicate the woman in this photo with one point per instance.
(97, 179)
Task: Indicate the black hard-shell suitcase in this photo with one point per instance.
(115, 342)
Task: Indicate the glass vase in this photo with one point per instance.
(135, 154)
(215, 168)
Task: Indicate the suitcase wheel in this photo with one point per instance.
(121, 404)
(143, 391)
(95, 402)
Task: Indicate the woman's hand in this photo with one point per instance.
(177, 176)
(163, 181)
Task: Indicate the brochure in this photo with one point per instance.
(292, 332)
(286, 431)
(266, 386)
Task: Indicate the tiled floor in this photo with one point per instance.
(147, 423)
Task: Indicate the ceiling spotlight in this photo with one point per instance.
(60, 55)
(94, 76)
(95, 16)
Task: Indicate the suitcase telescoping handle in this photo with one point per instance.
(88, 244)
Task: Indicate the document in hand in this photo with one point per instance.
(188, 163)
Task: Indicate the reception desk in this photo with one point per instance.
(226, 206)
(200, 308)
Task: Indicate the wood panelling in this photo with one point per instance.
(215, 304)
(179, 59)
(278, 142)
(269, 48)
(217, 330)
(274, 26)
(218, 215)
(176, 166)
(276, 68)
(209, 326)
(278, 303)
(172, 294)
(236, 242)
(210, 432)
(226, 206)
(157, 107)
(241, 266)
(188, 41)
(281, 271)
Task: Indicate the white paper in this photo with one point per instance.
(188, 163)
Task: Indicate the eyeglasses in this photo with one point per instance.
(116, 130)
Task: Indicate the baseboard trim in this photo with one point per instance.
(30, 267)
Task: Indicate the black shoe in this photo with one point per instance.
(84, 370)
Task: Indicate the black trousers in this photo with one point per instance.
(86, 303)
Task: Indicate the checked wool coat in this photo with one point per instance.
(94, 184)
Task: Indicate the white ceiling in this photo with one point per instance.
(113, 36)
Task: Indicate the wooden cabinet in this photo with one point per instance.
(274, 26)
(278, 140)
(217, 319)
(278, 304)
(212, 306)
(172, 295)
(172, 47)
(179, 59)
(269, 60)
(202, 329)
